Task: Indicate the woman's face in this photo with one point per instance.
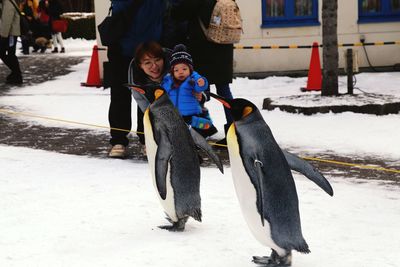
(152, 66)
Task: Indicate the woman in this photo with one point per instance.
(55, 11)
(147, 70)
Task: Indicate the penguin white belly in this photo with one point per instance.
(247, 195)
(151, 148)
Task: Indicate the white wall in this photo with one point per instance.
(267, 60)
(101, 9)
(349, 31)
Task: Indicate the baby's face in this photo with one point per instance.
(181, 71)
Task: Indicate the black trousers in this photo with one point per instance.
(119, 113)
(7, 54)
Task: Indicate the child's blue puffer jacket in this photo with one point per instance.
(182, 97)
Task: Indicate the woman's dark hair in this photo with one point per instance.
(148, 48)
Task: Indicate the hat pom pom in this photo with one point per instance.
(180, 48)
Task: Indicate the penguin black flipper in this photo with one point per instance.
(202, 143)
(258, 166)
(163, 156)
(302, 166)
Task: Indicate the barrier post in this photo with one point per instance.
(349, 59)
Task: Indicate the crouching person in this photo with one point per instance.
(182, 85)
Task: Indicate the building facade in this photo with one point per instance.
(298, 22)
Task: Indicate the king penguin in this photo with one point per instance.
(172, 156)
(264, 183)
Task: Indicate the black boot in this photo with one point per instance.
(14, 78)
(222, 142)
(55, 50)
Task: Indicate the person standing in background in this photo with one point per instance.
(27, 40)
(9, 31)
(214, 61)
(145, 25)
(55, 11)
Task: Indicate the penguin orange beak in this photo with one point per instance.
(139, 94)
(223, 100)
(136, 88)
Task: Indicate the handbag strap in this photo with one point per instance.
(16, 8)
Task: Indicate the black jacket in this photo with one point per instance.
(214, 61)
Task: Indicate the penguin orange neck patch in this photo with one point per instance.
(246, 111)
(158, 93)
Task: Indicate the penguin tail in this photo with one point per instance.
(196, 214)
(303, 248)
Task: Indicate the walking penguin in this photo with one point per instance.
(264, 183)
(172, 156)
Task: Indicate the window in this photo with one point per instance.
(378, 10)
(290, 13)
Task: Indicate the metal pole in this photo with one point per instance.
(349, 58)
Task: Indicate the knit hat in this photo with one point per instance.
(180, 55)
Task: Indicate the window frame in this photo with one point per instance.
(290, 20)
(385, 15)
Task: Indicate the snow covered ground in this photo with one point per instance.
(63, 210)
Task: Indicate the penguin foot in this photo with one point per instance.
(274, 260)
(178, 226)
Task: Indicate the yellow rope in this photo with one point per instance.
(67, 121)
(211, 143)
(353, 164)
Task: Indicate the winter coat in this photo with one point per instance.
(43, 12)
(146, 24)
(182, 97)
(54, 9)
(9, 25)
(214, 61)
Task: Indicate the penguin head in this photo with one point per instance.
(151, 94)
(239, 107)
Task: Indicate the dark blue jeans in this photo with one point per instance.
(224, 90)
(7, 54)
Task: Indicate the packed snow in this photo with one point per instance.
(65, 210)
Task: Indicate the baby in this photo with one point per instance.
(182, 84)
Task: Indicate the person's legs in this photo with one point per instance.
(119, 114)
(224, 90)
(60, 41)
(55, 43)
(140, 126)
(7, 55)
(25, 45)
(3, 51)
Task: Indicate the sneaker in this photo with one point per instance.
(117, 151)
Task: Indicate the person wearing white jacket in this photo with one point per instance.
(9, 31)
